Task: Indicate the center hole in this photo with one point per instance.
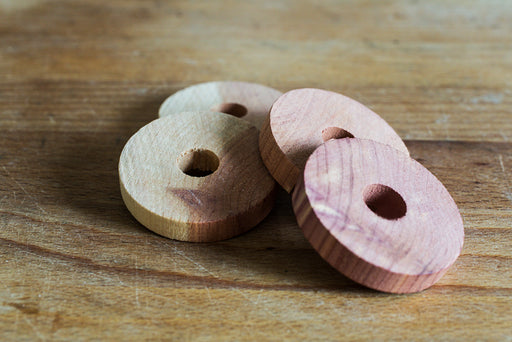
(198, 162)
(384, 201)
(335, 133)
(230, 108)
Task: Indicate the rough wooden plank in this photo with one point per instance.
(424, 113)
(87, 215)
(79, 78)
(351, 43)
(59, 234)
(60, 300)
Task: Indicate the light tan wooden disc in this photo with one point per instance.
(377, 215)
(196, 176)
(302, 119)
(249, 101)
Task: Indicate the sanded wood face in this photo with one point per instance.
(249, 101)
(378, 216)
(196, 176)
(302, 119)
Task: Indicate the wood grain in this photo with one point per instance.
(377, 216)
(302, 119)
(79, 78)
(248, 101)
(196, 176)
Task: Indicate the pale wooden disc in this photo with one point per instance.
(249, 101)
(377, 215)
(302, 119)
(234, 198)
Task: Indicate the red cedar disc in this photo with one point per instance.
(378, 216)
(302, 119)
(196, 176)
(249, 101)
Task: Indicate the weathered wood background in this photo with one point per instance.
(78, 78)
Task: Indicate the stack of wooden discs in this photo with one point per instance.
(368, 208)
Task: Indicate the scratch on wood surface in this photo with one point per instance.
(494, 98)
(198, 200)
(508, 195)
(208, 292)
(136, 281)
(258, 306)
(443, 119)
(34, 328)
(194, 262)
(500, 158)
(23, 189)
(507, 192)
(504, 136)
(233, 288)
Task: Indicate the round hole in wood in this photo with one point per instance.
(198, 162)
(231, 108)
(384, 201)
(335, 133)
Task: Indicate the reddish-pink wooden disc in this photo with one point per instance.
(302, 119)
(377, 215)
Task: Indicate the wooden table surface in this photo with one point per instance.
(78, 78)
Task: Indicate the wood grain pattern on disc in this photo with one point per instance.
(377, 215)
(302, 119)
(196, 176)
(248, 101)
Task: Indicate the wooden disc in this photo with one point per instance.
(196, 176)
(302, 119)
(249, 101)
(377, 215)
